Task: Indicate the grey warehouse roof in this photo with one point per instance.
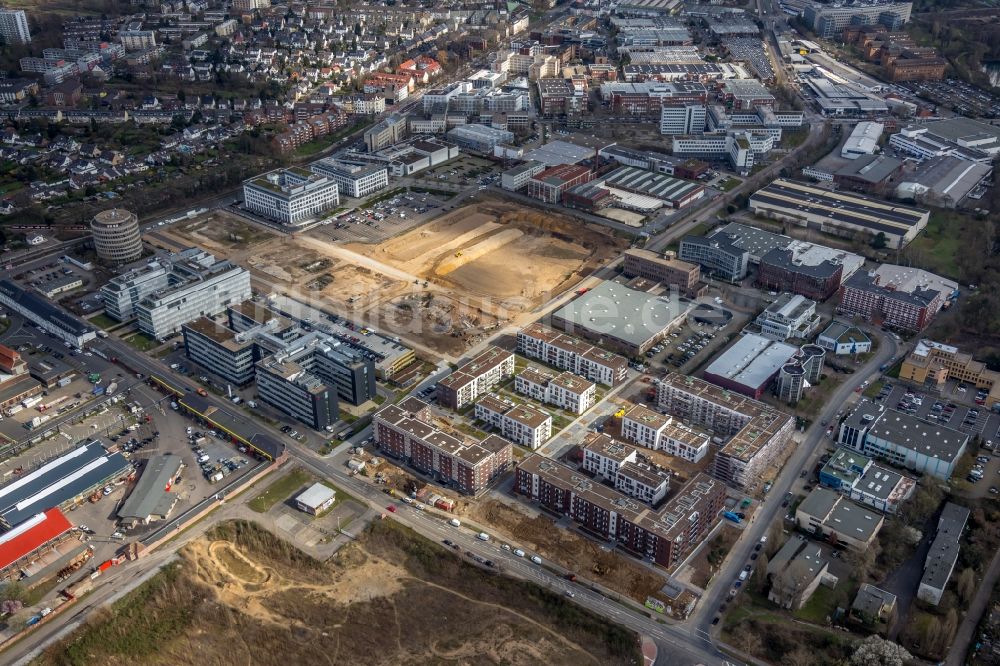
(622, 313)
(59, 481)
(150, 496)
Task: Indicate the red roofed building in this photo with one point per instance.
(550, 184)
(11, 362)
(31, 540)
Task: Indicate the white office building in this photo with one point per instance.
(789, 316)
(14, 26)
(122, 294)
(355, 178)
(176, 290)
(290, 196)
(739, 148)
(686, 119)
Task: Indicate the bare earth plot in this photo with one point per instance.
(241, 595)
(443, 286)
(571, 550)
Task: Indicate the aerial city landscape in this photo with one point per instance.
(638, 332)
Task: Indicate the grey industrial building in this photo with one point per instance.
(152, 497)
(45, 315)
(61, 482)
(943, 555)
(617, 316)
(839, 213)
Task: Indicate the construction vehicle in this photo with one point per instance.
(620, 413)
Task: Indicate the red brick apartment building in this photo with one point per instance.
(404, 431)
(909, 300)
(664, 536)
(475, 378)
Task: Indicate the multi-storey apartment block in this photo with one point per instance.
(568, 353)
(620, 464)
(404, 431)
(521, 424)
(475, 378)
(566, 391)
(664, 536)
(658, 432)
(756, 433)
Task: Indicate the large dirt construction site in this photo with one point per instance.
(496, 260)
(442, 287)
(240, 595)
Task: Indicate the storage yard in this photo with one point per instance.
(266, 602)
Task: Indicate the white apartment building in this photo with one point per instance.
(619, 463)
(566, 391)
(137, 40)
(14, 26)
(521, 424)
(641, 482)
(568, 353)
(354, 178)
(658, 432)
(290, 196)
(686, 119)
(603, 455)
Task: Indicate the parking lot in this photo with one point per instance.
(973, 420)
(691, 345)
(385, 219)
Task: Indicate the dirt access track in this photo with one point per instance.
(442, 287)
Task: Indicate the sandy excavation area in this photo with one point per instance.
(442, 287)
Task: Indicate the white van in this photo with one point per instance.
(744, 574)
(536, 559)
(519, 552)
(455, 522)
(483, 536)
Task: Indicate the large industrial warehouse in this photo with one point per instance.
(839, 213)
(61, 482)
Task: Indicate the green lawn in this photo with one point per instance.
(470, 430)
(937, 248)
(142, 342)
(825, 601)
(318, 145)
(104, 321)
(729, 183)
(279, 490)
(378, 399)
